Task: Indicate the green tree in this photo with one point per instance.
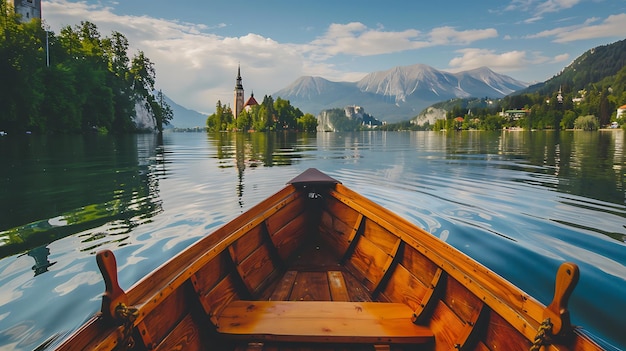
(142, 75)
(162, 111)
(244, 120)
(588, 122)
(115, 51)
(22, 61)
(220, 120)
(568, 119)
(307, 123)
(286, 114)
(266, 116)
(90, 82)
(492, 122)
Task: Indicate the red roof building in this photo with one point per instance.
(251, 102)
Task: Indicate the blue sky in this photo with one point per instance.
(197, 45)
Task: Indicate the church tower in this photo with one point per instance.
(238, 106)
(29, 9)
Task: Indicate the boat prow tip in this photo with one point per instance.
(313, 176)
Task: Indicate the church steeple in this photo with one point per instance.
(238, 105)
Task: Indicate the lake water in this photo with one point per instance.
(520, 203)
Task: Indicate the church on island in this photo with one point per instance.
(239, 104)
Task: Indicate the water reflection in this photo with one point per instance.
(252, 150)
(40, 254)
(518, 202)
(76, 183)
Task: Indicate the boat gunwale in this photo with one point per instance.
(473, 277)
(518, 308)
(146, 299)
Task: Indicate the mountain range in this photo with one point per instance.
(400, 93)
(184, 117)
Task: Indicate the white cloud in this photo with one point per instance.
(511, 61)
(448, 35)
(357, 39)
(561, 58)
(555, 5)
(194, 68)
(500, 62)
(612, 26)
(538, 8)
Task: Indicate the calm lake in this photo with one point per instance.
(520, 203)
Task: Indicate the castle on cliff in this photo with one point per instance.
(239, 104)
(28, 9)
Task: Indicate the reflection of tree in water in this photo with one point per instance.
(113, 188)
(137, 199)
(40, 254)
(244, 150)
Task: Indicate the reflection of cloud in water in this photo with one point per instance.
(57, 221)
(129, 261)
(84, 278)
(598, 261)
(70, 268)
(12, 289)
(10, 293)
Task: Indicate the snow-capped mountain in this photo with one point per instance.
(399, 93)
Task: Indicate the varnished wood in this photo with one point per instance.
(164, 318)
(283, 290)
(337, 285)
(566, 279)
(368, 262)
(317, 321)
(185, 336)
(113, 294)
(520, 309)
(311, 286)
(326, 247)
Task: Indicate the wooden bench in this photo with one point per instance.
(322, 321)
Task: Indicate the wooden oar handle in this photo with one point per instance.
(113, 294)
(566, 280)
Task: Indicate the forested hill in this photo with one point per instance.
(589, 68)
(591, 88)
(90, 83)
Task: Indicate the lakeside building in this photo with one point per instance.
(239, 104)
(621, 111)
(28, 9)
(250, 102)
(515, 114)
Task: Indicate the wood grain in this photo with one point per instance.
(311, 321)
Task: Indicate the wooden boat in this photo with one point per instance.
(317, 266)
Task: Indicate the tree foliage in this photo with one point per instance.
(586, 123)
(270, 115)
(90, 83)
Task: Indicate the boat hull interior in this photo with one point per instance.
(318, 267)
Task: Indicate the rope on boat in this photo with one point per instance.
(543, 335)
(127, 315)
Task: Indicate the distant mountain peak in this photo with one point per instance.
(398, 93)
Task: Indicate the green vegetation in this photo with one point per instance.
(593, 85)
(90, 83)
(586, 123)
(270, 115)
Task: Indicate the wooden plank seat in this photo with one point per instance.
(322, 321)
